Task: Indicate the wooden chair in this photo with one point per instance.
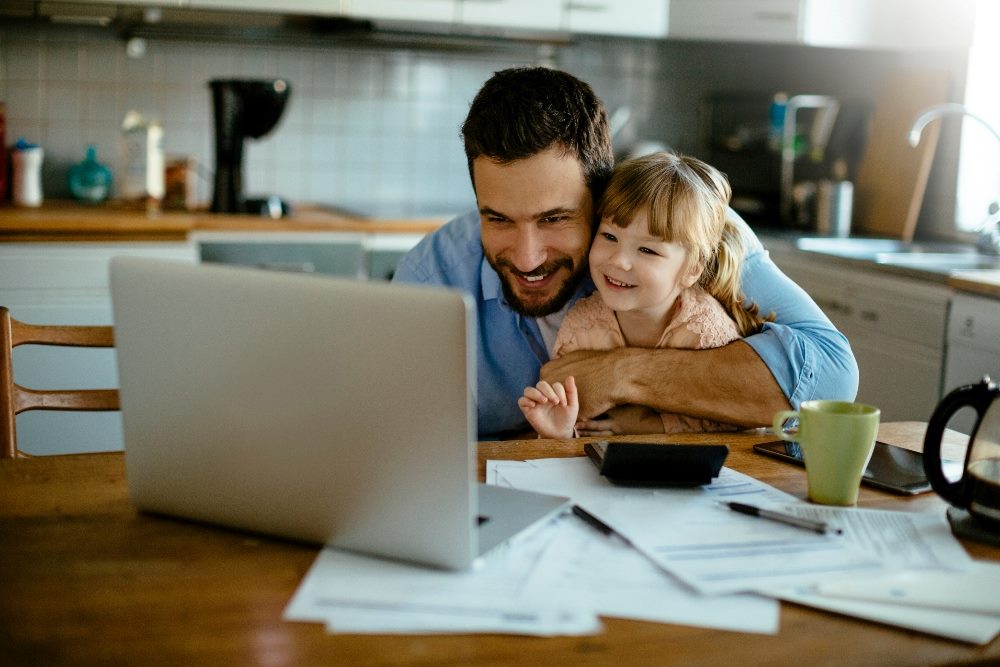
(15, 399)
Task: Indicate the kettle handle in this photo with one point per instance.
(978, 396)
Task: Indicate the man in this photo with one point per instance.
(539, 151)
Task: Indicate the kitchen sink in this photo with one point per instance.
(864, 248)
(939, 260)
(935, 257)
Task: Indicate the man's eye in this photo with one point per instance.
(553, 218)
(496, 220)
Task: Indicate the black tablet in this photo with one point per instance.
(891, 468)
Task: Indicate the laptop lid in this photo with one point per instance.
(312, 408)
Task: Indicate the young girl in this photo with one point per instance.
(666, 263)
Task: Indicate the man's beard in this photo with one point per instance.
(562, 297)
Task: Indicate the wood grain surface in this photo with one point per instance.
(86, 579)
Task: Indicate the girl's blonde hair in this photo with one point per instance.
(686, 201)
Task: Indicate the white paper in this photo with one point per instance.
(976, 590)
(899, 539)
(603, 573)
(968, 627)
(919, 543)
(362, 594)
(685, 530)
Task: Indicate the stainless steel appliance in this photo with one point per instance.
(777, 150)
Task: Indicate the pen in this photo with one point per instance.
(598, 524)
(815, 526)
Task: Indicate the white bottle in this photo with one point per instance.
(27, 162)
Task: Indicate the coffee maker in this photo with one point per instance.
(243, 108)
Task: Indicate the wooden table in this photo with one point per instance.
(85, 579)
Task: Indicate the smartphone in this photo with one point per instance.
(891, 468)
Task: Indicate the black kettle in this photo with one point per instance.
(978, 490)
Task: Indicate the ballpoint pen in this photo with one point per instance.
(816, 526)
(598, 524)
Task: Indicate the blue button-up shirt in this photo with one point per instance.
(806, 354)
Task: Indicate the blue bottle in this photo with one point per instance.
(90, 181)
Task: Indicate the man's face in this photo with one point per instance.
(536, 216)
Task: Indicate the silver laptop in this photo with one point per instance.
(313, 408)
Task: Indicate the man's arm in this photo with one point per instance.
(798, 357)
(678, 381)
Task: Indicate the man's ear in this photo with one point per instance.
(692, 274)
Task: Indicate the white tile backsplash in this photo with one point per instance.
(369, 128)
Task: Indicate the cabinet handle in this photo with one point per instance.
(291, 267)
(784, 17)
(586, 6)
(869, 316)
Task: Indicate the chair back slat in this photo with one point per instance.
(15, 399)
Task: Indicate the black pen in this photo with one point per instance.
(789, 519)
(598, 524)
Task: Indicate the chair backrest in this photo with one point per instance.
(15, 399)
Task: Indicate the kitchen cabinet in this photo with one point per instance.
(305, 7)
(515, 14)
(888, 24)
(328, 254)
(773, 21)
(637, 18)
(370, 256)
(634, 18)
(973, 348)
(849, 24)
(67, 283)
(443, 11)
(896, 328)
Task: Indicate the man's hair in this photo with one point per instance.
(522, 111)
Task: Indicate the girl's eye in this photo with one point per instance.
(648, 251)
(609, 237)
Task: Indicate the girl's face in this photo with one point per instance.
(637, 272)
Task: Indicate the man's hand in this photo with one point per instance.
(594, 376)
(624, 420)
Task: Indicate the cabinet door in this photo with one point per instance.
(735, 20)
(526, 14)
(636, 18)
(895, 327)
(445, 11)
(54, 283)
(898, 377)
(888, 24)
(310, 7)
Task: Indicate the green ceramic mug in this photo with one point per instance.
(837, 440)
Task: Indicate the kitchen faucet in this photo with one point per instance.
(989, 232)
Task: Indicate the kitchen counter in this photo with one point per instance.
(980, 281)
(986, 283)
(68, 221)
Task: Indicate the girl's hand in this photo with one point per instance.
(551, 409)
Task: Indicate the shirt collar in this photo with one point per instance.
(490, 282)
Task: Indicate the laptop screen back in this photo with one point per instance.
(317, 409)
